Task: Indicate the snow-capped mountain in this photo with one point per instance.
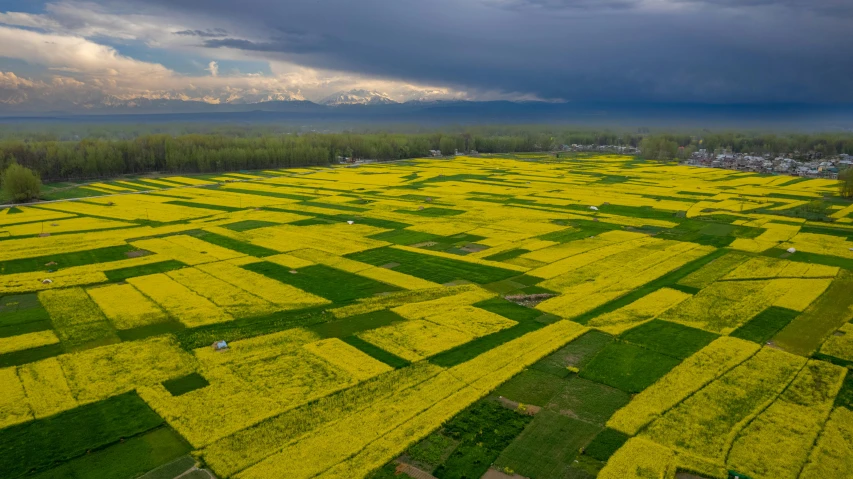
(357, 97)
(21, 94)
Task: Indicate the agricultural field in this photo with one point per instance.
(500, 317)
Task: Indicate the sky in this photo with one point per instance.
(75, 52)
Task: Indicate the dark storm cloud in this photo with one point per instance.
(211, 33)
(569, 4)
(829, 7)
(282, 42)
(826, 7)
(752, 50)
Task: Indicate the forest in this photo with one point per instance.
(88, 152)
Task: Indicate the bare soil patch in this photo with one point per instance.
(529, 300)
(412, 471)
(529, 409)
(474, 248)
(493, 473)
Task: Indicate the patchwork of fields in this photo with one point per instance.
(444, 318)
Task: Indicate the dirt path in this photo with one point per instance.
(496, 474)
(413, 471)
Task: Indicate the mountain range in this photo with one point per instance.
(357, 107)
(357, 97)
(91, 102)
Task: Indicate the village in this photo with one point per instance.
(811, 165)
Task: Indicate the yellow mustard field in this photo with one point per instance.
(528, 316)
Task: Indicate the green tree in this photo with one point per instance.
(447, 145)
(846, 178)
(20, 184)
(659, 148)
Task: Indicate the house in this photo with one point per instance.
(220, 345)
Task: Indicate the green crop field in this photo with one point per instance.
(533, 317)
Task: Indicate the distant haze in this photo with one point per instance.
(413, 116)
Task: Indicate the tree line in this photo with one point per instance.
(59, 155)
(199, 153)
(55, 159)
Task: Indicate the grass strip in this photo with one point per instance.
(251, 327)
(844, 398)
(149, 330)
(355, 324)
(66, 260)
(667, 338)
(143, 270)
(605, 444)
(628, 367)
(432, 212)
(247, 225)
(814, 258)
(508, 309)
(330, 283)
(320, 218)
(432, 268)
(21, 314)
(376, 352)
(193, 204)
(505, 255)
(271, 194)
(184, 384)
(832, 359)
(829, 312)
(235, 245)
(665, 281)
(472, 349)
(130, 458)
(43, 443)
(765, 324)
(576, 354)
(30, 355)
(339, 207)
(404, 237)
(24, 328)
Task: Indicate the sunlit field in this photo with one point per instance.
(532, 316)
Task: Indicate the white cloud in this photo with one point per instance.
(66, 51)
(81, 65)
(20, 19)
(68, 41)
(87, 19)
